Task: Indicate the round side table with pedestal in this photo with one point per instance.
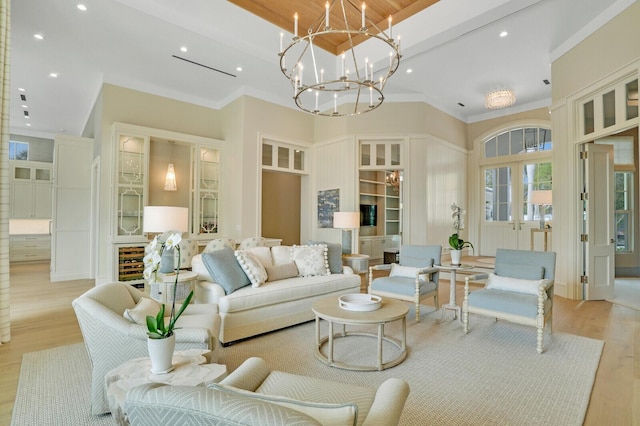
(162, 289)
(452, 269)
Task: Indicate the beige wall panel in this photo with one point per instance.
(281, 207)
(610, 48)
(164, 153)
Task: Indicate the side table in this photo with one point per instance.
(452, 269)
(360, 265)
(162, 289)
(190, 368)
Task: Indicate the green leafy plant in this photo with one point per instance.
(156, 326)
(455, 241)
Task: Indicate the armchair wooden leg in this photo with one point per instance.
(418, 311)
(540, 339)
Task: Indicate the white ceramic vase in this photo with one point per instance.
(455, 257)
(161, 353)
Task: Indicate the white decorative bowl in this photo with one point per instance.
(360, 302)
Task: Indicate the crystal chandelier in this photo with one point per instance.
(500, 99)
(350, 77)
(393, 180)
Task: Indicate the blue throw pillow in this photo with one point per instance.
(225, 269)
(334, 255)
(524, 272)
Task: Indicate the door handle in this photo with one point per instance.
(513, 226)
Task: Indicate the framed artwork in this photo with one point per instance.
(328, 203)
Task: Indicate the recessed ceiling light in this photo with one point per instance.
(20, 89)
(82, 7)
(184, 49)
(38, 36)
(239, 69)
(24, 106)
(409, 70)
(53, 75)
(28, 124)
(504, 34)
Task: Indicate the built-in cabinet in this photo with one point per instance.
(28, 248)
(30, 194)
(375, 246)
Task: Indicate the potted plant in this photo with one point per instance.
(161, 338)
(457, 244)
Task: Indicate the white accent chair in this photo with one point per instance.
(111, 339)
(254, 395)
(422, 281)
(520, 291)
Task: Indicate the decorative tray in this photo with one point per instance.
(360, 302)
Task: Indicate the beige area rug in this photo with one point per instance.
(491, 376)
(627, 293)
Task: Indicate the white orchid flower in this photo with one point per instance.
(149, 274)
(152, 246)
(173, 240)
(152, 259)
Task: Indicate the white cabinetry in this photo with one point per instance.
(25, 248)
(30, 195)
(375, 246)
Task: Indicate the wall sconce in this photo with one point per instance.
(170, 180)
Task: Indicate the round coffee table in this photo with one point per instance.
(391, 310)
(190, 368)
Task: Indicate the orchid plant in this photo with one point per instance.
(156, 327)
(455, 241)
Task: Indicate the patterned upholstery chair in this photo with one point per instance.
(251, 242)
(188, 249)
(413, 279)
(219, 243)
(520, 290)
(254, 395)
(111, 339)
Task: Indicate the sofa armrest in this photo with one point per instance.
(388, 403)
(347, 270)
(249, 375)
(383, 267)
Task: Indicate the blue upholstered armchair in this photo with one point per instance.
(519, 290)
(414, 278)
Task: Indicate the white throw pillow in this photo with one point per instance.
(138, 314)
(281, 272)
(403, 271)
(252, 267)
(280, 255)
(263, 254)
(311, 260)
(518, 285)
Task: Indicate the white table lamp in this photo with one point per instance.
(159, 219)
(347, 221)
(542, 197)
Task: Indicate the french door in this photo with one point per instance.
(509, 211)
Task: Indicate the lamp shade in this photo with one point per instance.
(165, 218)
(542, 197)
(346, 220)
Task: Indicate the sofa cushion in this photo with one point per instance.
(280, 255)
(496, 282)
(219, 243)
(155, 403)
(311, 260)
(518, 270)
(263, 254)
(252, 267)
(225, 269)
(252, 242)
(281, 272)
(138, 314)
(402, 285)
(327, 414)
(508, 302)
(334, 255)
(277, 292)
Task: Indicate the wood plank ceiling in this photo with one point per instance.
(311, 12)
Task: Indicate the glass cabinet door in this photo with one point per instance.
(131, 167)
(208, 194)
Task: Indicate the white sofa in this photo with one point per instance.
(250, 311)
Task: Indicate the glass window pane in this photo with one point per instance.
(283, 157)
(624, 211)
(516, 141)
(536, 176)
(298, 160)
(365, 154)
(490, 148)
(503, 144)
(632, 99)
(395, 154)
(589, 121)
(18, 150)
(380, 149)
(267, 155)
(609, 108)
(498, 194)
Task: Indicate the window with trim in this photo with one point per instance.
(518, 141)
(18, 150)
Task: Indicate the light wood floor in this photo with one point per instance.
(42, 318)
